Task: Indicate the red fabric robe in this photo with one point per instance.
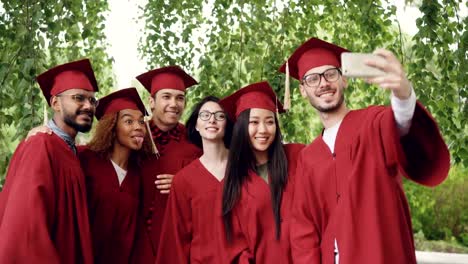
(189, 229)
(43, 210)
(174, 156)
(113, 208)
(356, 195)
(254, 228)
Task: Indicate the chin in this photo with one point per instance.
(135, 147)
(172, 121)
(83, 128)
(261, 148)
(328, 108)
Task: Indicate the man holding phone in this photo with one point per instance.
(349, 205)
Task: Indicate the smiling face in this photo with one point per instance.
(262, 130)
(167, 106)
(212, 129)
(328, 96)
(130, 129)
(76, 115)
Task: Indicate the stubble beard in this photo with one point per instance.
(70, 120)
(330, 108)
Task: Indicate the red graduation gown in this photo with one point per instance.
(174, 156)
(112, 207)
(43, 210)
(253, 215)
(356, 195)
(189, 229)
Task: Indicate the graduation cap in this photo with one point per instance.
(313, 53)
(256, 95)
(73, 75)
(122, 99)
(171, 77)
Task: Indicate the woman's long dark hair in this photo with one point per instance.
(242, 160)
(191, 124)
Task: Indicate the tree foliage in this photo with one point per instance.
(228, 44)
(441, 213)
(37, 35)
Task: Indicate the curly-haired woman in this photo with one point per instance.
(110, 162)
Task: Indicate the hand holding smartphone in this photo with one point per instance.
(353, 65)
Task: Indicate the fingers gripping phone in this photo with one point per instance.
(353, 65)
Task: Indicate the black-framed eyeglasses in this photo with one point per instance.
(330, 75)
(80, 99)
(205, 115)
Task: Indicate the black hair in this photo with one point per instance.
(194, 136)
(242, 160)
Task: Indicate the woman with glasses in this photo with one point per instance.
(110, 162)
(191, 221)
(259, 180)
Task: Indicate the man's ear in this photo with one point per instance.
(55, 104)
(303, 91)
(152, 102)
(345, 82)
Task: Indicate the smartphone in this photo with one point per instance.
(352, 65)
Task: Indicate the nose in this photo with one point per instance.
(323, 81)
(262, 127)
(212, 119)
(173, 102)
(139, 126)
(87, 104)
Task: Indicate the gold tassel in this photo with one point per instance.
(46, 118)
(287, 91)
(153, 145)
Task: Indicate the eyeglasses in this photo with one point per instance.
(330, 75)
(205, 115)
(80, 99)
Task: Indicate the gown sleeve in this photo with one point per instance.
(305, 240)
(28, 208)
(176, 234)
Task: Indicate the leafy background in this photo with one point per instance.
(228, 44)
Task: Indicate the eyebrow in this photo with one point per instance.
(257, 117)
(129, 115)
(172, 94)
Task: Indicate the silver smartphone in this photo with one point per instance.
(352, 65)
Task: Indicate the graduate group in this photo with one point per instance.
(223, 188)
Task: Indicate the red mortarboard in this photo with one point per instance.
(256, 95)
(73, 75)
(122, 99)
(171, 77)
(313, 53)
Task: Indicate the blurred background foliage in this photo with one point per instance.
(35, 36)
(228, 44)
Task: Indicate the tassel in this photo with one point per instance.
(46, 118)
(153, 145)
(287, 91)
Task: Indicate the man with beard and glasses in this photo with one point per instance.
(349, 204)
(167, 87)
(43, 207)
